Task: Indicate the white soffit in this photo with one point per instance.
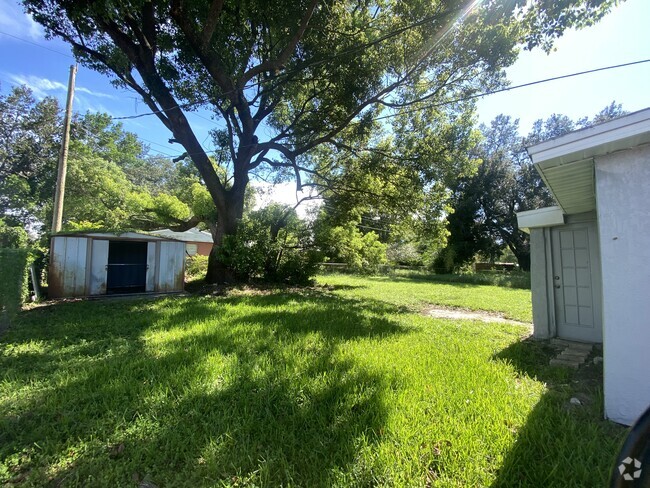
(543, 217)
(566, 163)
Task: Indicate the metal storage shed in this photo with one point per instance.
(84, 264)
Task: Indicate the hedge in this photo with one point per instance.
(14, 265)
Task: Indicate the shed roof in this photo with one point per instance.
(566, 163)
(126, 236)
(191, 235)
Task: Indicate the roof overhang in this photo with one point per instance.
(543, 217)
(566, 163)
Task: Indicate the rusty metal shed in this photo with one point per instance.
(86, 264)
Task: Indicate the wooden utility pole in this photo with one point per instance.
(57, 216)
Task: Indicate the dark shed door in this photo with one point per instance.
(127, 267)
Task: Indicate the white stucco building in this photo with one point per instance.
(590, 254)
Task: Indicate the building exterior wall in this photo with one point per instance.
(543, 326)
(623, 197)
(204, 248)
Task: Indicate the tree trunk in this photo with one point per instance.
(227, 223)
(523, 258)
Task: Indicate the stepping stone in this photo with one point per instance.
(564, 362)
(573, 354)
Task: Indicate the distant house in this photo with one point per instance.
(196, 241)
(590, 254)
(103, 263)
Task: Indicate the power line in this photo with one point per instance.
(36, 44)
(509, 88)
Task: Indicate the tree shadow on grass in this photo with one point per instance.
(266, 397)
(561, 444)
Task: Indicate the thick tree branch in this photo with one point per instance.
(143, 59)
(211, 22)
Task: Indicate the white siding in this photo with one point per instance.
(623, 196)
(98, 262)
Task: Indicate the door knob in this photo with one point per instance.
(556, 277)
(557, 286)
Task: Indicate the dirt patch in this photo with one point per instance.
(462, 314)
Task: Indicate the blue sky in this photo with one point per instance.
(622, 36)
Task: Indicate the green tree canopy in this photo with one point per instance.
(29, 145)
(484, 220)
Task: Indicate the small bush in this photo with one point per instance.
(196, 267)
(362, 253)
(405, 254)
(12, 237)
(271, 244)
(14, 264)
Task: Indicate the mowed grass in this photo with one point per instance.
(416, 292)
(334, 386)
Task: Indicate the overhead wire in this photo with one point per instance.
(515, 87)
(36, 44)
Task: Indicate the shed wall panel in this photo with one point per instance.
(68, 266)
(55, 274)
(151, 266)
(75, 267)
(98, 263)
(171, 266)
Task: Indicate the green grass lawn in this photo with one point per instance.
(344, 385)
(415, 291)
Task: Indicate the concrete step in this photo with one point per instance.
(565, 362)
(572, 356)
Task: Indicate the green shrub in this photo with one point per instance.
(363, 253)
(271, 244)
(14, 264)
(509, 279)
(196, 267)
(12, 237)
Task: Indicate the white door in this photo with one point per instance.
(576, 282)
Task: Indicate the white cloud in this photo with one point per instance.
(43, 87)
(95, 93)
(14, 21)
(40, 86)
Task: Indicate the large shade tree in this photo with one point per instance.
(29, 145)
(288, 76)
